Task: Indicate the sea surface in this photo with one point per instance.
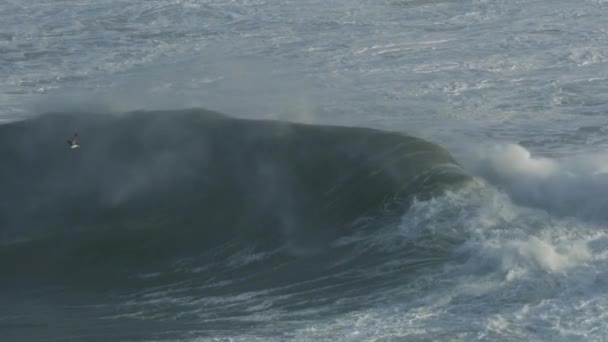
(255, 170)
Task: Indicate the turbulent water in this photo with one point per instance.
(361, 170)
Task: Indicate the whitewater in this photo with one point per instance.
(256, 170)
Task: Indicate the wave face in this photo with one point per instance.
(214, 208)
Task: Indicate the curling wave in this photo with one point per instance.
(147, 187)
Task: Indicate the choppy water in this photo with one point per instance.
(515, 90)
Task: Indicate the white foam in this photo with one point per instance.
(549, 257)
(575, 185)
(516, 273)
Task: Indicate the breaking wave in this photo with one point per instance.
(147, 190)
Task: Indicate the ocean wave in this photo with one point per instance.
(153, 190)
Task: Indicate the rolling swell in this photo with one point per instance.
(147, 190)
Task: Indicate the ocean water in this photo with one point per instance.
(464, 200)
